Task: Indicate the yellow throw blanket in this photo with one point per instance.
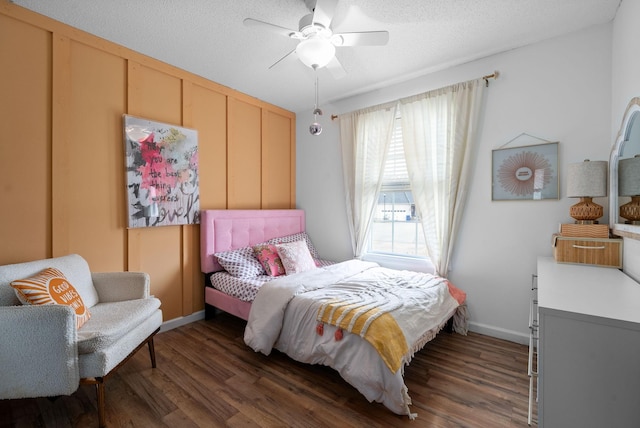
(377, 327)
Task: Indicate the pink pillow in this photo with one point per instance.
(267, 254)
(295, 257)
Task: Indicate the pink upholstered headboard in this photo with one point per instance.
(223, 230)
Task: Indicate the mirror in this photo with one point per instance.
(627, 145)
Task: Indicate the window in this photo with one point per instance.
(396, 228)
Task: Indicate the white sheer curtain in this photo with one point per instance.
(438, 128)
(365, 135)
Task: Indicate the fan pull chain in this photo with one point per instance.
(315, 128)
(316, 105)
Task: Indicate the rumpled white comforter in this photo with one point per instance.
(283, 316)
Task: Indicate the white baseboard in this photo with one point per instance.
(180, 321)
(500, 333)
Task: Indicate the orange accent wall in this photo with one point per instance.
(243, 157)
(278, 161)
(25, 141)
(62, 153)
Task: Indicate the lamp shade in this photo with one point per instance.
(587, 179)
(315, 52)
(629, 176)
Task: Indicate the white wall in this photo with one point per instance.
(625, 86)
(559, 90)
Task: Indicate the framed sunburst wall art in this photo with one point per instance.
(525, 173)
(162, 173)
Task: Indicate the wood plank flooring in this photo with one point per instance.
(208, 377)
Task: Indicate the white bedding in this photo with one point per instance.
(245, 289)
(284, 316)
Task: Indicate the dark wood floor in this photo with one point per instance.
(208, 377)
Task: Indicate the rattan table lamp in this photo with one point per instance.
(629, 185)
(587, 180)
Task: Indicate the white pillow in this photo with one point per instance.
(295, 257)
(301, 236)
(241, 263)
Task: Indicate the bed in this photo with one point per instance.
(363, 320)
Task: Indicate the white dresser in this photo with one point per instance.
(589, 347)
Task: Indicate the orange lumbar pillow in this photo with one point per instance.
(51, 287)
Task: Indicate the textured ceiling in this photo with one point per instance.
(208, 38)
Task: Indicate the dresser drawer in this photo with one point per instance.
(592, 251)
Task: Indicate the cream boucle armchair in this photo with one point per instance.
(44, 354)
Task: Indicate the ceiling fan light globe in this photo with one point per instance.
(315, 53)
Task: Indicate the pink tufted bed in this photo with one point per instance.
(224, 230)
(363, 320)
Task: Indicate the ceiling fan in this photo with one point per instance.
(318, 42)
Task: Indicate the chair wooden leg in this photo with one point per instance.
(100, 396)
(99, 381)
(152, 352)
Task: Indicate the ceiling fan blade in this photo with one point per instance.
(250, 22)
(336, 69)
(290, 54)
(323, 12)
(364, 38)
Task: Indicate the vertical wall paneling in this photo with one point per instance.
(188, 238)
(190, 266)
(206, 111)
(243, 155)
(95, 181)
(154, 94)
(190, 233)
(133, 252)
(160, 256)
(60, 145)
(293, 157)
(25, 150)
(209, 117)
(62, 163)
(277, 163)
(157, 96)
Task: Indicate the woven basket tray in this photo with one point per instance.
(585, 230)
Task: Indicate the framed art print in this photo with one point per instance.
(525, 173)
(161, 173)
